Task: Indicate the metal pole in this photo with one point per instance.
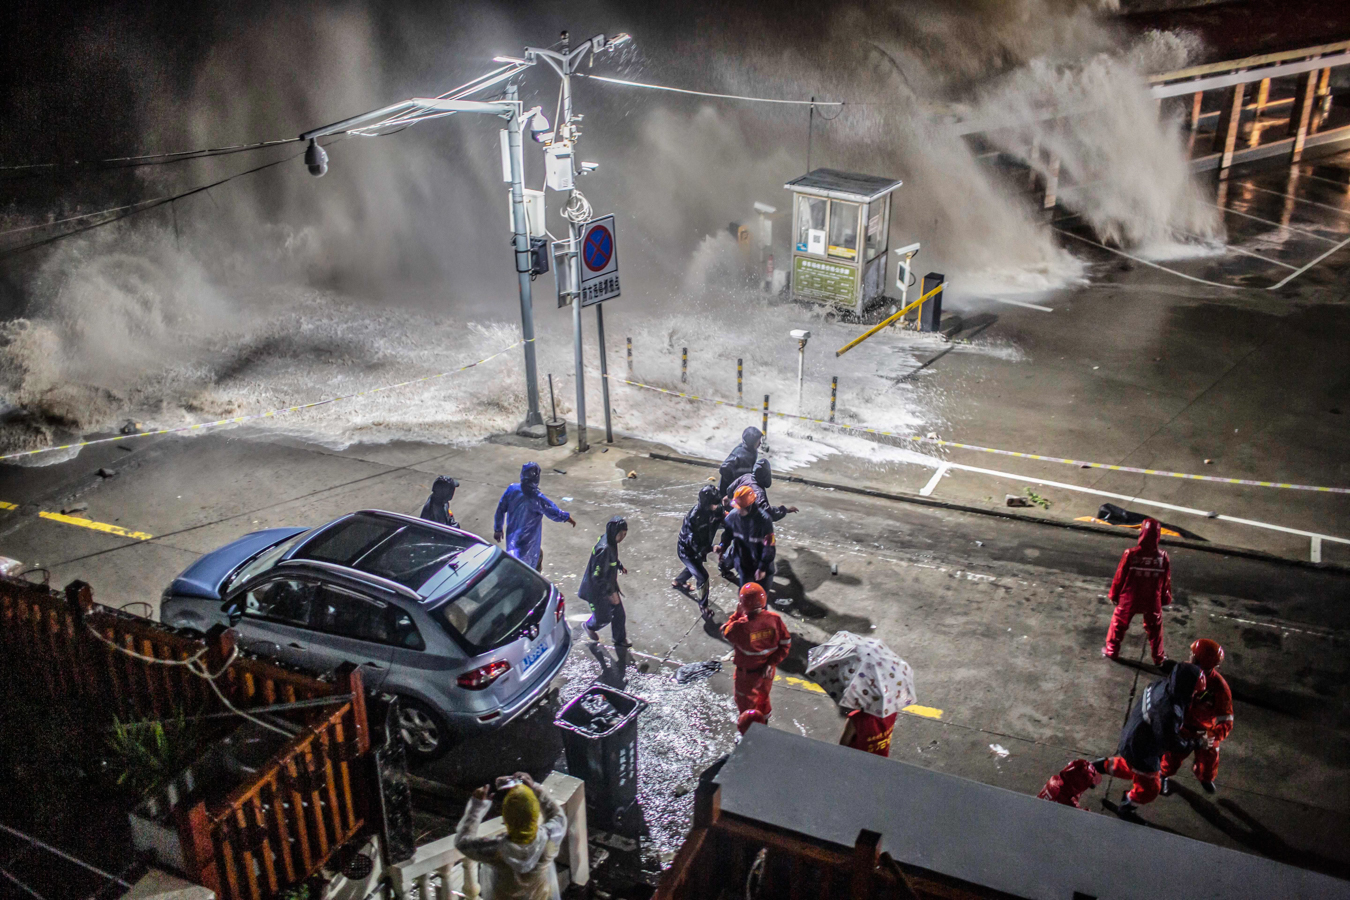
(522, 240)
(574, 261)
(764, 423)
(801, 368)
(630, 356)
(740, 394)
(604, 369)
(834, 394)
(684, 365)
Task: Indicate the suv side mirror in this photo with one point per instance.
(233, 611)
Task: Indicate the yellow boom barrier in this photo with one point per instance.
(888, 321)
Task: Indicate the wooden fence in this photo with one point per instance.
(271, 832)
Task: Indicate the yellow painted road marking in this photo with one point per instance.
(927, 712)
(4, 505)
(96, 526)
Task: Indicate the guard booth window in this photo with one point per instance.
(878, 216)
(811, 225)
(843, 229)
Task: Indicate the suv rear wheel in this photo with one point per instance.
(422, 729)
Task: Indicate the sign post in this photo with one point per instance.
(600, 282)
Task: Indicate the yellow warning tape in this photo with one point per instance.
(919, 439)
(266, 415)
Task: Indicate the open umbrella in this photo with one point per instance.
(862, 673)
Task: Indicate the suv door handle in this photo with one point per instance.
(373, 665)
(296, 646)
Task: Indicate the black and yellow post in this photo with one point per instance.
(630, 356)
(764, 425)
(684, 365)
(834, 393)
(740, 393)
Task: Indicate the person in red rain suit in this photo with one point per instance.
(1209, 720)
(1074, 780)
(1142, 586)
(760, 641)
(869, 733)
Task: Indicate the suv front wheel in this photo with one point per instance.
(422, 729)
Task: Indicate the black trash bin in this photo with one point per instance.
(599, 733)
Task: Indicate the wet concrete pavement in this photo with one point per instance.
(1001, 619)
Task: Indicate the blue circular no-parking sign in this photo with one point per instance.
(598, 248)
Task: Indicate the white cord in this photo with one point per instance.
(578, 209)
(196, 666)
(675, 90)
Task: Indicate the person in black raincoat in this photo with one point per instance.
(747, 537)
(740, 461)
(759, 480)
(1152, 729)
(437, 507)
(600, 584)
(696, 541)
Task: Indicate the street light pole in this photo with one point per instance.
(533, 418)
(564, 62)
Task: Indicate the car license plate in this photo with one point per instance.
(534, 656)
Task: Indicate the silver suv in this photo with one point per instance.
(466, 635)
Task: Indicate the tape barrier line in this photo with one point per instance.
(937, 442)
(272, 413)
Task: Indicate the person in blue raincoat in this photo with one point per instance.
(520, 515)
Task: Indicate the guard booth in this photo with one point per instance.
(840, 232)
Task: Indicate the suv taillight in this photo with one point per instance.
(562, 608)
(483, 676)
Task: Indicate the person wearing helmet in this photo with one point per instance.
(517, 863)
(759, 480)
(1142, 586)
(1209, 720)
(759, 642)
(520, 516)
(600, 584)
(740, 461)
(747, 537)
(1071, 782)
(437, 507)
(1153, 728)
(695, 542)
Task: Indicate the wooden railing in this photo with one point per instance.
(278, 829)
(728, 855)
(272, 831)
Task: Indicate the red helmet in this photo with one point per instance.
(753, 596)
(1206, 654)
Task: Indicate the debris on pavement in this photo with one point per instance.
(696, 671)
(74, 508)
(1000, 751)
(106, 472)
(130, 427)
(632, 473)
(1016, 500)
(560, 471)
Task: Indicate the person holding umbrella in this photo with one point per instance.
(865, 677)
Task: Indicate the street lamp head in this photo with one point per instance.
(618, 40)
(316, 158)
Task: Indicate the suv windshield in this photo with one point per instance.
(263, 561)
(492, 611)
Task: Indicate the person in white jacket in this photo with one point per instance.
(517, 865)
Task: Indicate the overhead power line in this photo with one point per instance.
(126, 162)
(123, 212)
(675, 90)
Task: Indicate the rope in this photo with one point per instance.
(265, 415)
(151, 159)
(675, 90)
(196, 666)
(919, 439)
(64, 855)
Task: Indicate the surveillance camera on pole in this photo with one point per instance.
(316, 158)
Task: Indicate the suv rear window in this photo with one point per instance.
(390, 549)
(492, 611)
